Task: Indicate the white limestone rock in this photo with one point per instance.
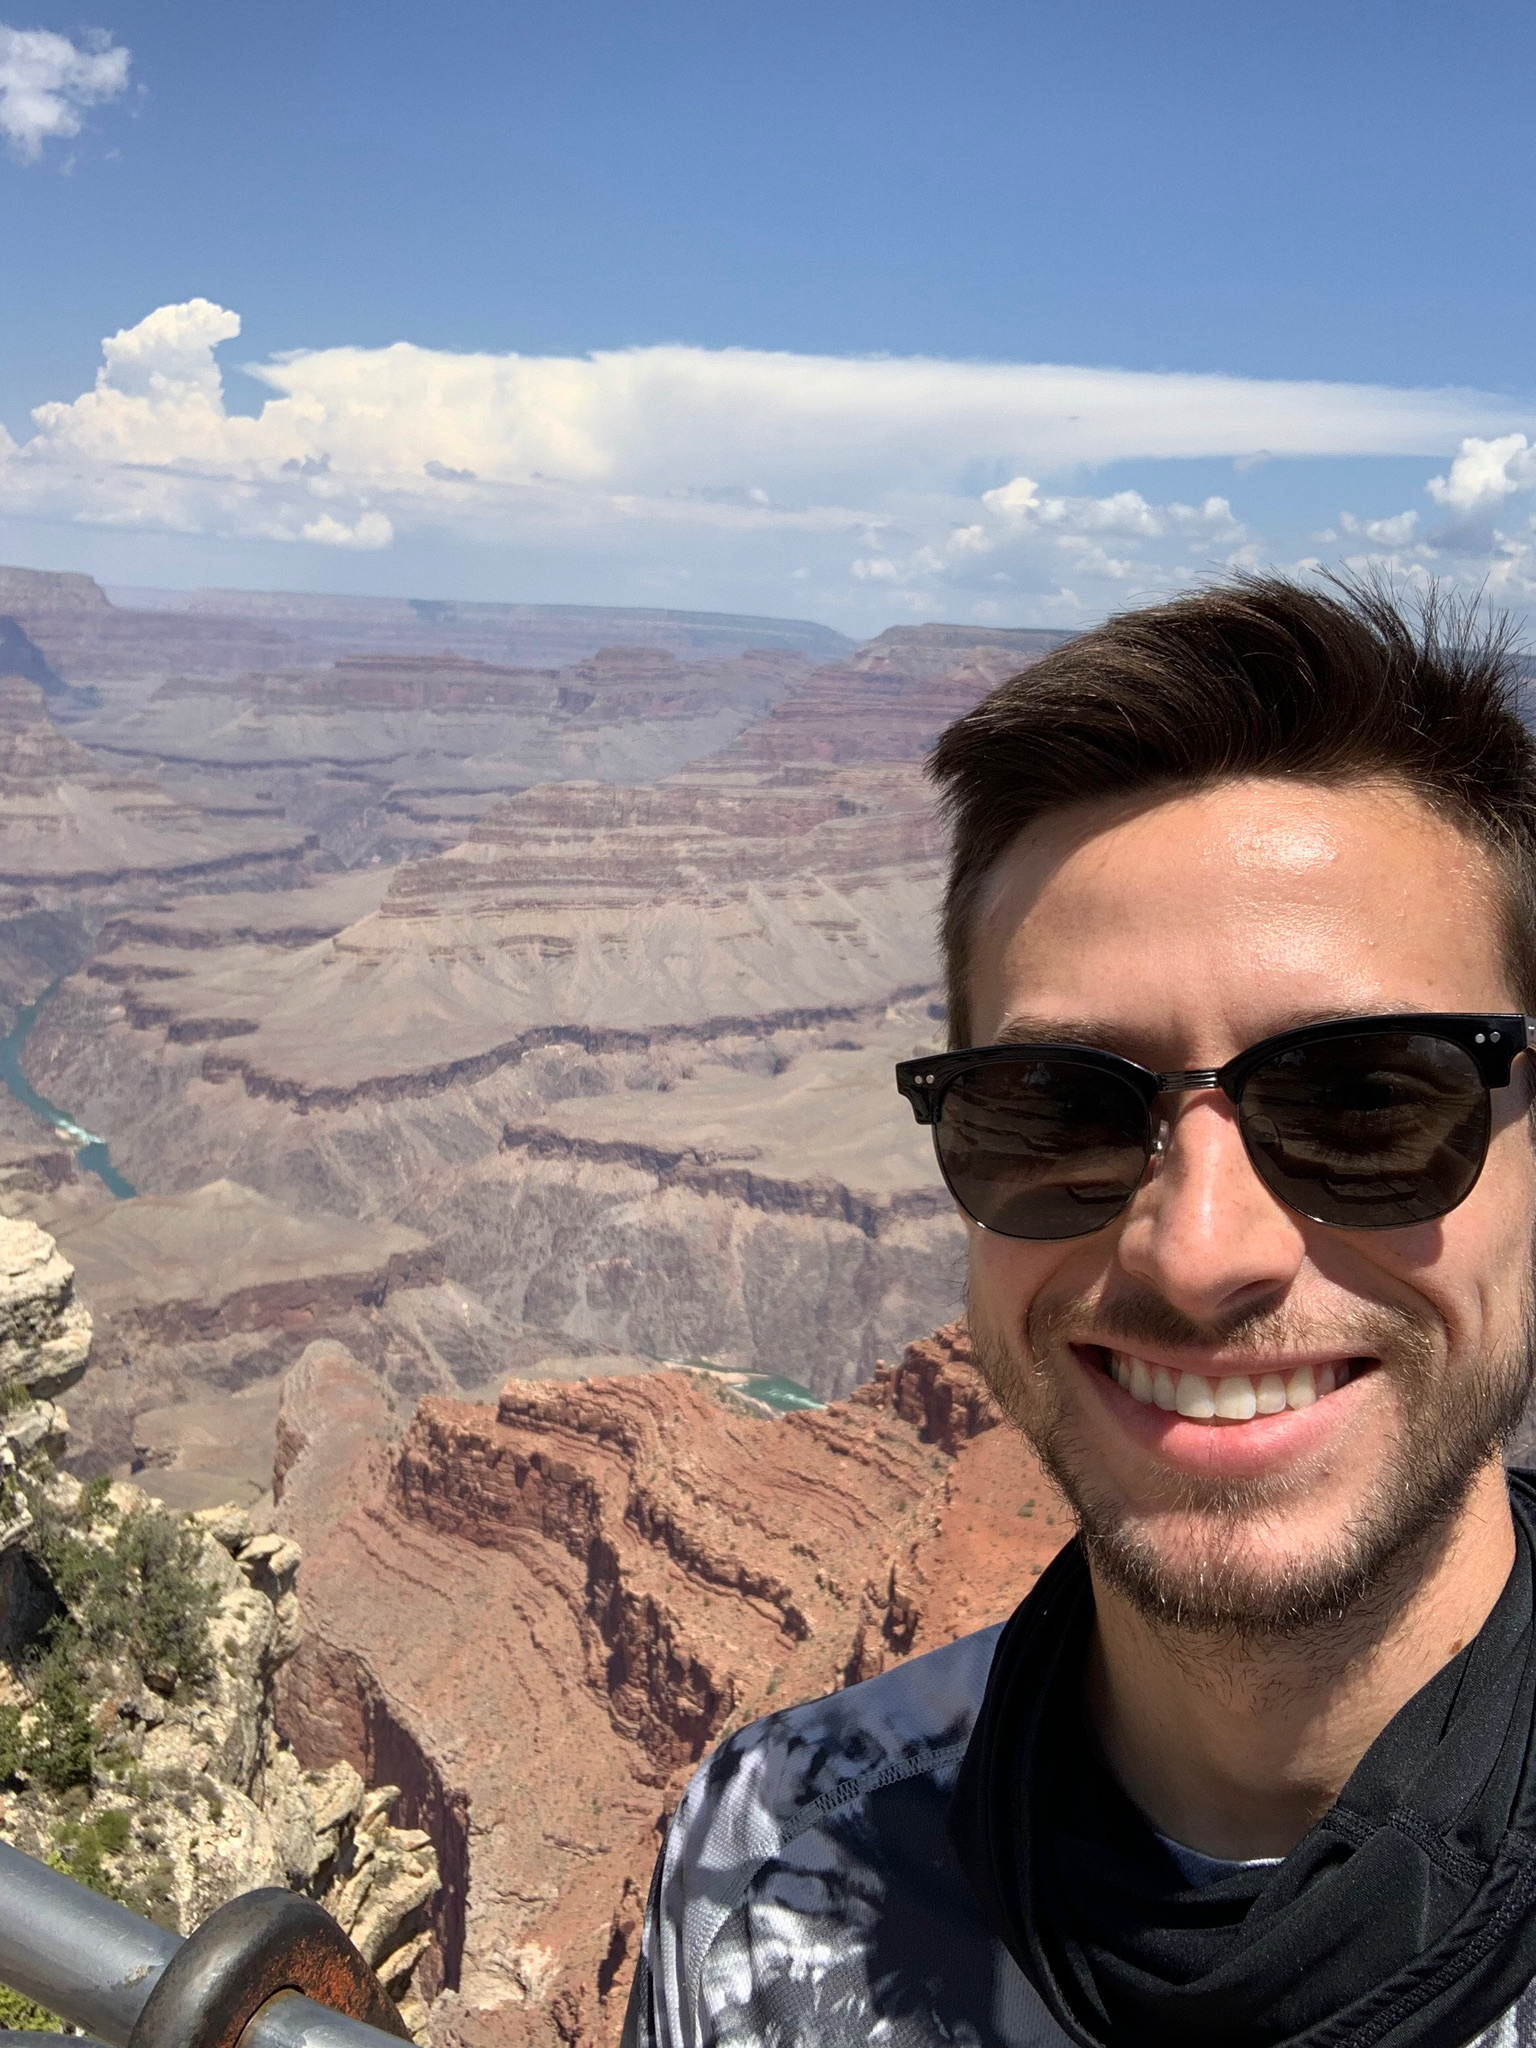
(45, 1334)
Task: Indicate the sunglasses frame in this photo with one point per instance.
(1494, 1042)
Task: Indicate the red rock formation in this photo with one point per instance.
(546, 1612)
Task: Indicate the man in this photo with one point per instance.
(1242, 918)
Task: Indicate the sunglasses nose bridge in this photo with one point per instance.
(1181, 1081)
(1184, 1080)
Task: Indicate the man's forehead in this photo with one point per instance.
(1276, 902)
(1282, 836)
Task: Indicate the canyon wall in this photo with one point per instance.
(546, 1610)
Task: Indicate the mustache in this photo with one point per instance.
(1132, 1316)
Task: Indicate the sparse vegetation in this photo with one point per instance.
(128, 1587)
(80, 1845)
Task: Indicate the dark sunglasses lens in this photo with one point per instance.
(1041, 1148)
(1369, 1132)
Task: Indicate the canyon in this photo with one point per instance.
(510, 1223)
(555, 1035)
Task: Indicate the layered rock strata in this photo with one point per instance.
(623, 1054)
(390, 754)
(77, 835)
(201, 1301)
(135, 636)
(558, 1604)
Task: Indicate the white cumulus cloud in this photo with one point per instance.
(1487, 542)
(373, 530)
(924, 485)
(46, 81)
(1485, 472)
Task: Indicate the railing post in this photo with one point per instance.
(95, 1964)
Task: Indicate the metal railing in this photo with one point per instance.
(242, 1978)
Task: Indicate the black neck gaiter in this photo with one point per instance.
(1406, 1918)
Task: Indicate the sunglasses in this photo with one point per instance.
(1368, 1123)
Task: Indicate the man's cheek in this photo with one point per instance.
(1006, 1273)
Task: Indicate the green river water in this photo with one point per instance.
(91, 1152)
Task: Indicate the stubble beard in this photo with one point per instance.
(1449, 1423)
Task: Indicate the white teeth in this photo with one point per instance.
(1235, 1400)
(1195, 1399)
(1270, 1394)
(1301, 1388)
(1238, 1397)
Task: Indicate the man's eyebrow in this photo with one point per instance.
(1062, 1031)
(1095, 1031)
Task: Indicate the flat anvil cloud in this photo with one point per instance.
(864, 469)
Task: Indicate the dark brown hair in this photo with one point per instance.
(1256, 676)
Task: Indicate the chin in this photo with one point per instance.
(1249, 1575)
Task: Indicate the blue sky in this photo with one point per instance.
(639, 259)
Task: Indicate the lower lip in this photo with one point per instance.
(1235, 1450)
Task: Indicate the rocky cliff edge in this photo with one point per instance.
(537, 1617)
(138, 1649)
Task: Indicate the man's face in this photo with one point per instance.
(1178, 932)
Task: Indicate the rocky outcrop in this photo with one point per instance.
(553, 1607)
(194, 1800)
(45, 1334)
(937, 1389)
(137, 1656)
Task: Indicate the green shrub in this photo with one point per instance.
(154, 1602)
(138, 1592)
(80, 1845)
(12, 1743)
(22, 2016)
(60, 1750)
(113, 1829)
(96, 1502)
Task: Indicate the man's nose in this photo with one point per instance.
(1203, 1230)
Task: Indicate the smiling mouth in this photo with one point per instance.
(1230, 1397)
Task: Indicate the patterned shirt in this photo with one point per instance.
(807, 1895)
